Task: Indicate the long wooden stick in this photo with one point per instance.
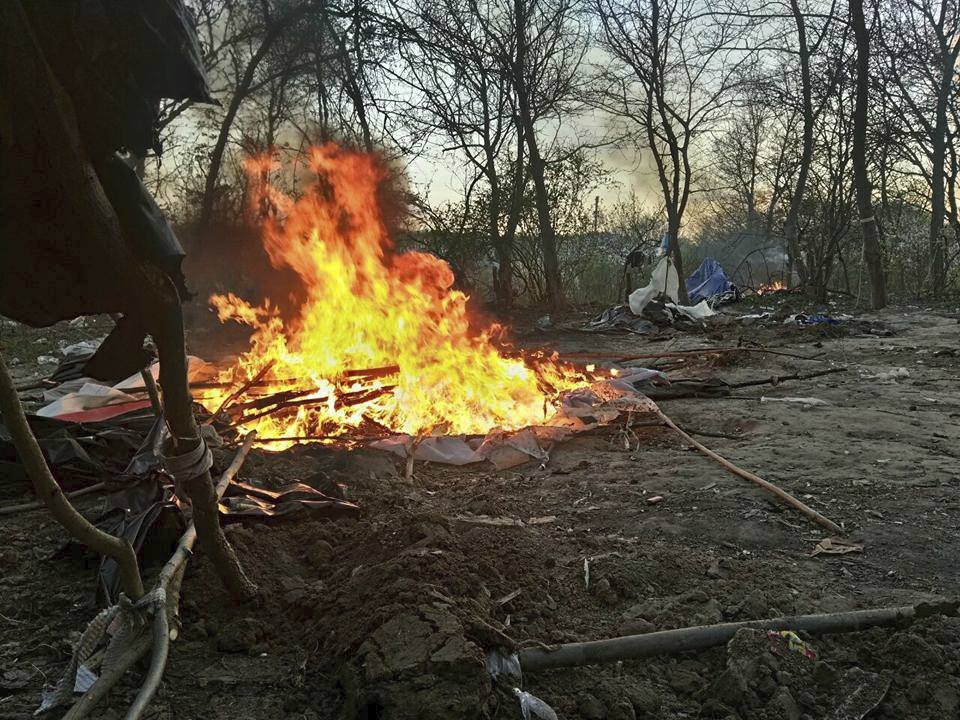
(747, 475)
(169, 580)
(672, 642)
(777, 379)
(36, 504)
(50, 494)
(681, 354)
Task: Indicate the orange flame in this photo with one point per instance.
(771, 287)
(369, 306)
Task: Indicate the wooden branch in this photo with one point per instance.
(49, 492)
(152, 391)
(36, 504)
(776, 380)
(673, 642)
(345, 400)
(170, 579)
(784, 496)
(242, 389)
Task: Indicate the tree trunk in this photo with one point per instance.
(220, 147)
(791, 227)
(673, 248)
(872, 254)
(935, 242)
(548, 238)
(505, 255)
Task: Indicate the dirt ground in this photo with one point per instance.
(390, 616)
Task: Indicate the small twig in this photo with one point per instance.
(705, 433)
(36, 504)
(35, 385)
(747, 475)
(685, 353)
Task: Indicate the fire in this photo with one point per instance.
(771, 287)
(392, 315)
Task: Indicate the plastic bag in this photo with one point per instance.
(533, 707)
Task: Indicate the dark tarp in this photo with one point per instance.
(708, 282)
(82, 79)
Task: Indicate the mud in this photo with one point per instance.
(391, 615)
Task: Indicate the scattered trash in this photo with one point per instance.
(891, 376)
(698, 313)
(792, 641)
(655, 500)
(836, 546)
(87, 400)
(46, 360)
(244, 500)
(545, 322)
(533, 707)
(808, 401)
(619, 318)
(581, 410)
(860, 692)
(815, 319)
(500, 664)
(663, 281)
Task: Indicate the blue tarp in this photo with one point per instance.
(709, 280)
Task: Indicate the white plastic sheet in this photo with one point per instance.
(86, 394)
(581, 409)
(665, 281)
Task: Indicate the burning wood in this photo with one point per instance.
(771, 287)
(369, 306)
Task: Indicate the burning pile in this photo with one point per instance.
(771, 287)
(381, 339)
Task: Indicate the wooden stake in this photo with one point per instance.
(784, 496)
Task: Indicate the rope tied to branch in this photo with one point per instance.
(189, 465)
(125, 621)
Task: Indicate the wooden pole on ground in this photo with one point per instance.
(673, 642)
(781, 494)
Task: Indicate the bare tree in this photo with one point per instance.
(921, 44)
(540, 46)
(872, 253)
(675, 69)
(462, 100)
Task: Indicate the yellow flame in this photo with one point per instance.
(771, 287)
(369, 306)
